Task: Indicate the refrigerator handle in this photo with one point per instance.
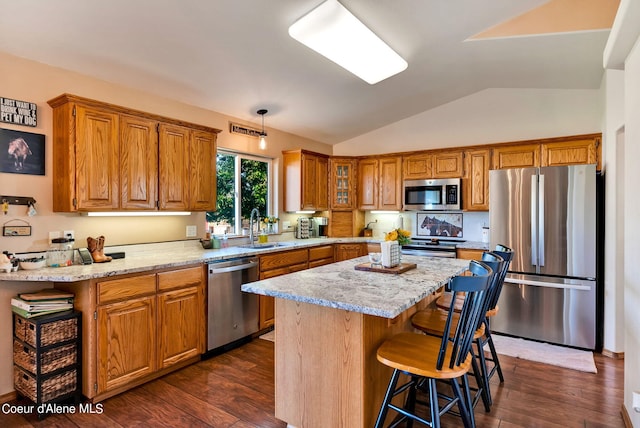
(541, 220)
(534, 221)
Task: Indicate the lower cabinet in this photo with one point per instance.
(469, 254)
(349, 251)
(138, 327)
(277, 264)
(319, 256)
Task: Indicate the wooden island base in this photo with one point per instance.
(326, 371)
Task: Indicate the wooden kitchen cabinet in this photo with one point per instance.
(435, 164)
(342, 183)
(571, 152)
(138, 327)
(138, 163)
(469, 254)
(306, 181)
(181, 319)
(276, 264)
(380, 183)
(320, 256)
(108, 157)
(516, 156)
(448, 164)
(349, 251)
(475, 182)
(344, 224)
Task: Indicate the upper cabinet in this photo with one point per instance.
(380, 183)
(342, 183)
(108, 157)
(475, 181)
(306, 181)
(575, 150)
(437, 164)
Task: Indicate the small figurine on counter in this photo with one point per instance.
(96, 248)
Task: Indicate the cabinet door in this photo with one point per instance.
(309, 184)
(570, 152)
(469, 254)
(126, 342)
(203, 171)
(322, 183)
(418, 166)
(342, 184)
(447, 164)
(348, 251)
(516, 156)
(475, 196)
(138, 163)
(174, 145)
(267, 311)
(180, 325)
(390, 197)
(97, 159)
(368, 184)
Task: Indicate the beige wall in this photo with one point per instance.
(34, 82)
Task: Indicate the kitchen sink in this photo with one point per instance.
(260, 246)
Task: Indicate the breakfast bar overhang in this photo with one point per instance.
(330, 320)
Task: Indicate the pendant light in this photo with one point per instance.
(263, 135)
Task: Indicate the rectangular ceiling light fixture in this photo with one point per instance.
(332, 31)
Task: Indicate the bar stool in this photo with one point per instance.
(432, 321)
(444, 302)
(427, 359)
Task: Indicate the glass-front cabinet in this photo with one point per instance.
(343, 184)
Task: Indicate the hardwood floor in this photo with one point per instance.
(236, 390)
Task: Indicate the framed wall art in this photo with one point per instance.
(21, 152)
(439, 225)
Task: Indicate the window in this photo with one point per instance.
(244, 183)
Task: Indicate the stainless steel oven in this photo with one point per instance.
(430, 248)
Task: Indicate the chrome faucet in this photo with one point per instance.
(257, 213)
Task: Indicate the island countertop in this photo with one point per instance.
(341, 286)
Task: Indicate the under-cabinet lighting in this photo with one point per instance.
(385, 212)
(334, 32)
(134, 213)
(304, 212)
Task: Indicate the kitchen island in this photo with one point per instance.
(330, 321)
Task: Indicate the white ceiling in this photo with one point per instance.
(235, 56)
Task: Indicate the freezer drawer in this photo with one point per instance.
(555, 310)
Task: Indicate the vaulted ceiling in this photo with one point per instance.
(235, 56)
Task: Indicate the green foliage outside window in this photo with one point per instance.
(253, 192)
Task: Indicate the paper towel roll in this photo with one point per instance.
(636, 401)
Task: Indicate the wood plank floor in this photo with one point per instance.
(236, 390)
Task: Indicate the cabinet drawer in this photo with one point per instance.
(126, 288)
(317, 253)
(320, 262)
(282, 259)
(180, 278)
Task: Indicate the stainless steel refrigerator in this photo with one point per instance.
(548, 217)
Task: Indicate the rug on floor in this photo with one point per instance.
(546, 353)
(270, 336)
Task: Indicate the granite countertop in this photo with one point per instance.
(340, 286)
(473, 245)
(145, 257)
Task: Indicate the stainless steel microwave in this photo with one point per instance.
(432, 195)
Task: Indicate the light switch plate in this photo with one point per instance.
(192, 231)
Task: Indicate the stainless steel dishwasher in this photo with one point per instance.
(231, 314)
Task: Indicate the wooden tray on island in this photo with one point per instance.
(402, 267)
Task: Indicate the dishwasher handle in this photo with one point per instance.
(233, 268)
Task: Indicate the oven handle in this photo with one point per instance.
(427, 253)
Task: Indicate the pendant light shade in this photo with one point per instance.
(263, 135)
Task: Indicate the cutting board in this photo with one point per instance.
(402, 267)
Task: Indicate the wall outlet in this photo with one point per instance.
(286, 225)
(54, 235)
(192, 231)
(69, 234)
